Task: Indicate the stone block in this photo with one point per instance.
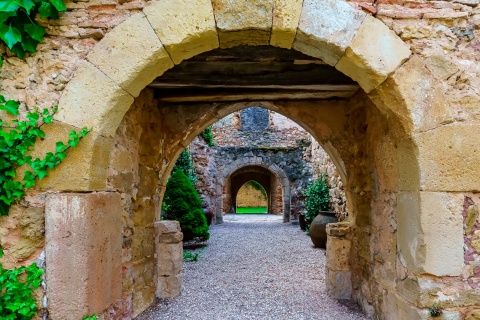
(398, 309)
(339, 229)
(83, 253)
(339, 284)
(473, 315)
(374, 53)
(243, 22)
(326, 29)
(93, 100)
(430, 232)
(186, 32)
(170, 237)
(286, 16)
(451, 165)
(169, 286)
(169, 258)
(85, 165)
(338, 254)
(131, 55)
(414, 96)
(166, 226)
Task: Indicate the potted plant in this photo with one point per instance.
(317, 213)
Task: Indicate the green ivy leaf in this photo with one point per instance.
(29, 45)
(4, 15)
(8, 6)
(47, 10)
(10, 35)
(35, 31)
(26, 4)
(18, 50)
(59, 5)
(11, 107)
(60, 147)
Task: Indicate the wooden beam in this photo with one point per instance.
(256, 96)
(313, 87)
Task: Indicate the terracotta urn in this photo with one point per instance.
(318, 228)
(208, 214)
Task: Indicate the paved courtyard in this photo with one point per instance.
(255, 267)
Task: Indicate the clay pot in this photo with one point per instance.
(301, 222)
(318, 228)
(209, 215)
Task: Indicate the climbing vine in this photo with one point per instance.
(16, 140)
(16, 289)
(185, 163)
(207, 135)
(257, 186)
(18, 29)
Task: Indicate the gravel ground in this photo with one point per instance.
(255, 267)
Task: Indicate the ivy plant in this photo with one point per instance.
(19, 30)
(17, 138)
(16, 291)
(91, 317)
(207, 135)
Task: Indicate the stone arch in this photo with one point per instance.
(246, 162)
(165, 33)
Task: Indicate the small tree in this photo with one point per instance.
(185, 163)
(317, 198)
(184, 205)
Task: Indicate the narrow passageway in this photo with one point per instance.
(255, 267)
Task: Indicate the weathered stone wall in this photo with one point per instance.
(321, 163)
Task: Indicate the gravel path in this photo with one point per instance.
(255, 267)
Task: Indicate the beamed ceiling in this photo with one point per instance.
(252, 73)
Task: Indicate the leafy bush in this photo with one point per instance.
(16, 290)
(185, 206)
(192, 256)
(185, 163)
(317, 198)
(207, 135)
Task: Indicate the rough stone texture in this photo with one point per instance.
(338, 275)
(184, 33)
(286, 16)
(169, 259)
(241, 22)
(135, 44)
(328, 39)
(83, 238)
(369, 60)
(250, 197)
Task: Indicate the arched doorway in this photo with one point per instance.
(406, 193)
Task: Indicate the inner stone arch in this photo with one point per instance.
(272, 178)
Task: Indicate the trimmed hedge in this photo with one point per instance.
(184, 205)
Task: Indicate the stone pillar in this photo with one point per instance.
(169, 248)
(338, 275)
(83, 253)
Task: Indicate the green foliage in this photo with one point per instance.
(192, 256)
(91, 317)
(207, 135)
(185, 163)
(18, 29)
(16, 290)
(16, 140)
(257, 186)
(435, 310)
(185, 206)
(317, 198)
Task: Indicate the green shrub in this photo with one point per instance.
(207, 135)
(185, 163)
(185, 206)
(317, 198)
